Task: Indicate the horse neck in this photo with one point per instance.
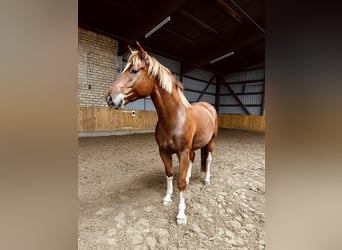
(168, 105)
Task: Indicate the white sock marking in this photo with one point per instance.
(207, 174)
(188, 174)
(169, 190)
(181, 217)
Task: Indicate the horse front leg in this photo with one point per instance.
(167, 160)
(183, 167)
(192, 158)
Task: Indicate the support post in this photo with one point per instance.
(219, 80)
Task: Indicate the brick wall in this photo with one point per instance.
(98, 65)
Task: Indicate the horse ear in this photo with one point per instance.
(130, 49)
(142, 52)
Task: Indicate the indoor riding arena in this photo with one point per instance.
(121, 176)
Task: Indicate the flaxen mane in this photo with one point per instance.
(160, 72)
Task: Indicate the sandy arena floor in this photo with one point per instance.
(122, 184)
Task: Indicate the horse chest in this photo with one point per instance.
(171, 143)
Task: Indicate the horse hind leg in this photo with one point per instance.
(206, 160)
(207, 173)
(188, 174)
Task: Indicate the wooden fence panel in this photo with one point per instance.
(91, 119)
(246, 122)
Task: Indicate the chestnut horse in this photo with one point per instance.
(182, 127)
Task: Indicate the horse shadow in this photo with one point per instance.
(149, 187)
(142, 188)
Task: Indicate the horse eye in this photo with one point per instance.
(133, 71)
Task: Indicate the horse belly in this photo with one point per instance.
(206, 125)
(201, 139)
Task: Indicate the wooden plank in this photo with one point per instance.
(197, 21)
(86, 119)
(230, 10)
(252, 20)
(185, 39)
(92, 119)
(245, 122)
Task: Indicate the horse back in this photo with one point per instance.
(206, 112)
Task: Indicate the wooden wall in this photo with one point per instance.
(245, 122)
(93, 119)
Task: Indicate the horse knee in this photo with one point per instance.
(181, 185)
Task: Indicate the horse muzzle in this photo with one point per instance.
(115, 102)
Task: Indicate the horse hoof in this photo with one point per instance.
(181, 221)
(207, 183)
(167, 203)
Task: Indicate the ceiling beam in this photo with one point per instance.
(150, 19)
(245, 40)
(185, 39)
(195, 20)
(165, 9)
(242, 41)
(245, 62)
(230, 10)
(250, 18)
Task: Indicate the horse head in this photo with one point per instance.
(134, 82)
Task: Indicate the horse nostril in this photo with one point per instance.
(116, 102)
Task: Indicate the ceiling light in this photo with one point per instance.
(157, 27)
(222, 57)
